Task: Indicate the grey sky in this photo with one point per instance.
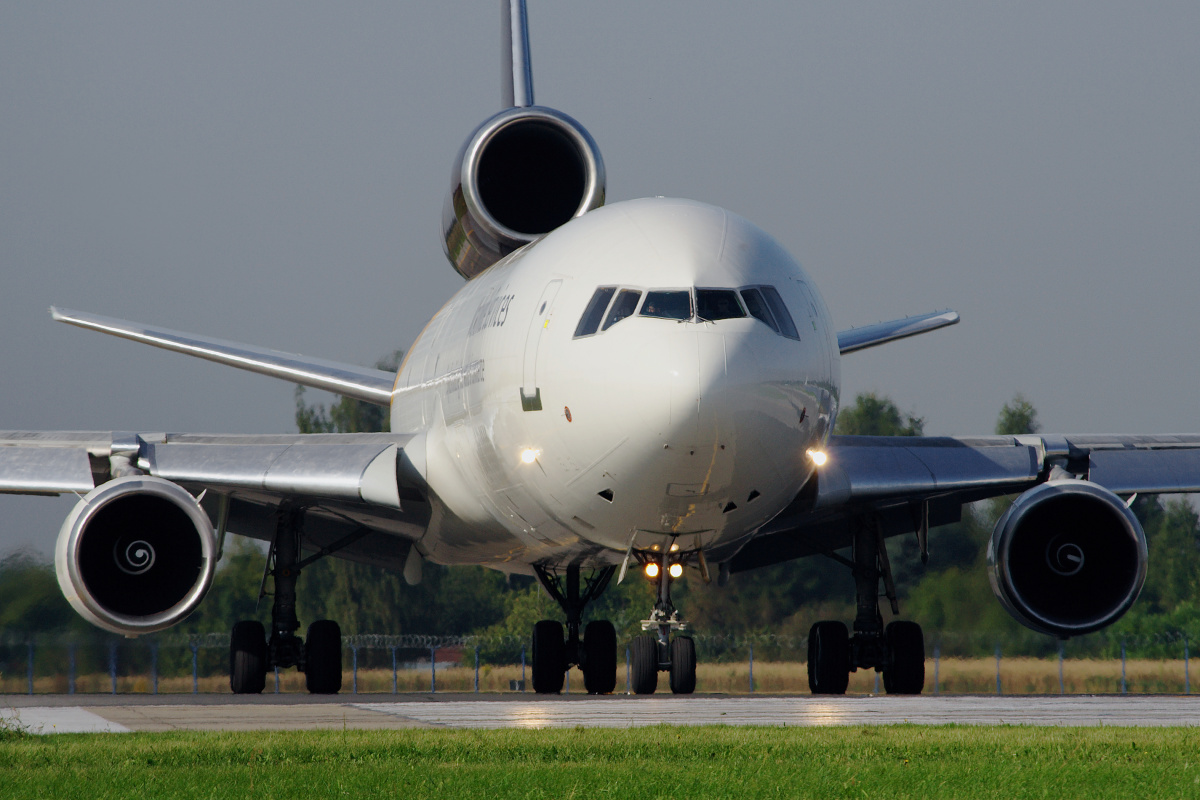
(274, 174)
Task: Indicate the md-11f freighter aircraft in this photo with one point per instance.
(649, 385)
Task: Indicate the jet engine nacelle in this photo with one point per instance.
(136, 555)
(519, 176)
(1068, 558)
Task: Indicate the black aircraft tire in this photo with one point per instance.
(828, 658)
(248, 657)
(644, 670)
(549, 657)
(323, 657)
(600, 657)
(683, 665)
(906, 650)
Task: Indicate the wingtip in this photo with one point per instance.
(56, 313)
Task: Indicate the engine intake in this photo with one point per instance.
(520, 175)
(1067, 558)
(136, 555)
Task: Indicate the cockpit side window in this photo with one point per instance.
(757, 307)
(675, 305)
(715, 304)
(589, 323)
(624, 306)
(780, 312)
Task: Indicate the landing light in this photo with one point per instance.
(652, 570)
(818, 457)
(676, 570)
(529, 455)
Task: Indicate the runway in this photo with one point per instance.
(127, 713)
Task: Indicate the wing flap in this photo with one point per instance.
(44, 470)
(361, 383)
(1146, 471)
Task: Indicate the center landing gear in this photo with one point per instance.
(319, 655)
(659, 651)
(898, 651)
(595, 653)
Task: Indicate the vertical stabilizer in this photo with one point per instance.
(517, 80)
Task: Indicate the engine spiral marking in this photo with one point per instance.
(137, 558)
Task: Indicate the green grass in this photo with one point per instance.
(893, 762)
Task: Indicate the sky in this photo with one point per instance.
(274, 173)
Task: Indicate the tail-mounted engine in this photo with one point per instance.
(1067, 558)
(520, 175)
(136, 555)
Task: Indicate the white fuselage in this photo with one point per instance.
(540, 443)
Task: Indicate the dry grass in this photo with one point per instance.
(954, 676)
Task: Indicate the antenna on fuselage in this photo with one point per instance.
(516, 82)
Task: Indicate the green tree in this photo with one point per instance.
(1017, 416)
(873, 415)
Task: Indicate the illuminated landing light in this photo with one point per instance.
(818, 457)
(529, 455)
(652, 570)
(675, 570)
(674, 547)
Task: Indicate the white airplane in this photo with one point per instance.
(650, 384)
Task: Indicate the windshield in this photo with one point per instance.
(668, 305)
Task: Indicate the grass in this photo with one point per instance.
(894, 762)
(955, 676)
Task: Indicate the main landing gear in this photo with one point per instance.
(659, 651)
(595, 653)
(319, 655)
(898, 651)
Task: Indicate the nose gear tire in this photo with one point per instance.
(644, 669)
(683, 665)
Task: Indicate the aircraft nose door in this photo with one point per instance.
(531, 395)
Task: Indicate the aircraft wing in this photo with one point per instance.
(361, 383)
(356, 484)
(912, 481)
(855, 339)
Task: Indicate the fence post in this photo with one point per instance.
(195, 668)
(1123, 685)
(276, 680)
(476, 669)
(752, 668)
(998, 687)
(354, 669)
(432, 670)
(1187, 683)
(1061, 688)
(627, 680)
(154, 667)
(393, 669)
(112, 664)
(71, 668)
(30, 645)
(937, 663)
(877, 682)
(522, 668)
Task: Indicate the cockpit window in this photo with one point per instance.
(589, 323)
(757, 307)
(625, 305)
(780, 312)
(668, 305)
(715, 304)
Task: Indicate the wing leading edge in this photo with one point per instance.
(855, 339)
(361, 383)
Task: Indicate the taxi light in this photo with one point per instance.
(652, 570)
(529, 455)
(676, 570)
(818, 457)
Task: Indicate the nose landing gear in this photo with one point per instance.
(656, 652)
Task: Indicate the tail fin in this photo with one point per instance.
(516, 83)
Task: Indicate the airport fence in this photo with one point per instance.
(956, 662)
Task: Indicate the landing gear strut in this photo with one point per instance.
(595, 653)
(319, 656)
(898, 651)
(659, 651)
